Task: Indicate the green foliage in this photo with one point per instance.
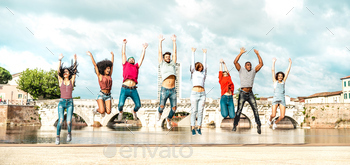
(38, 83)
(128, 116)
(78, 97)
(256, 97)
(313, 117)
(5, 76)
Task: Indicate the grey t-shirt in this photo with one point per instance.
(167, 69)
(247, 78)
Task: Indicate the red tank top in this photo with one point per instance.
(66, 90)
(106, 83)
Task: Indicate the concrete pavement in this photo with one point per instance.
(172, 154)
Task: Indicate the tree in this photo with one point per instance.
(38, 82)
(5, 76)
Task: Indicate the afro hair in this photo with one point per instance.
(102, 65)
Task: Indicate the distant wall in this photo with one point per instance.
(328, 115)
(19, 115)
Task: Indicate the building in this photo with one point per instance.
(333, 97)
(12, 95)
(177, 82)
(345, 96)
(324, 97)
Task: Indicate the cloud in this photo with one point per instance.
(319, 57)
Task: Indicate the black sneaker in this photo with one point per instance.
(193, 132)
(234, 128)
(259, 129)
(199, 131)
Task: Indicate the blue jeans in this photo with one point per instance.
(62, 105)
(125, 93)
(197, 107)
(166, 94)
(242, 98)
(227, 106)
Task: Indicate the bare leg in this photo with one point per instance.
(274, 111)
(283, 112)
(101, 106)
(108, 106)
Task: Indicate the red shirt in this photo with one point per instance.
(226, 83)
(130, 71)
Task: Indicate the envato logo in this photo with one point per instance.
(128, 151)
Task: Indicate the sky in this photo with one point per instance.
(314, 34)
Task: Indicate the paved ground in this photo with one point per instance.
(153, 154)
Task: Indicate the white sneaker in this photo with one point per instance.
(159, 115)
(57, 140)
(134, 115)
(274, 126)
(94, 111)
(69, 137)
(269, 123)
(120, 116)
(168, 124)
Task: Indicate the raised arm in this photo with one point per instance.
(123, 52)
(205, 60)
(160, 54)
(238, 67)
(260, 65)
(223, 62)
(95, 66)
(112, 59)
(75, 65)
(144, 46)
(220, 71)
(287, 72)
(59, 66)
(192, 59)
(173, 37)
(273, 69)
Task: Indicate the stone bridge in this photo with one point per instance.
(149, 108)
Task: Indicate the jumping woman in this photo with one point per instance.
(103, 70)
(198, 75)
(279, 80)
(66, 81)
(227, 88)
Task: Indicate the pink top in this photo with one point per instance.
(66, 90)
(105, 83)
(130, 71)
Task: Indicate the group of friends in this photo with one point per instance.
(167, 63)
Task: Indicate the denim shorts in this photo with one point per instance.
(104, 97)
(279, 101)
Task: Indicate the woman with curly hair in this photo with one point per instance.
(103, 70)
(66, 81)
(279, 80)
